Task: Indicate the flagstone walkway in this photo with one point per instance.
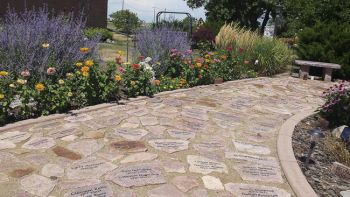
(206, 141)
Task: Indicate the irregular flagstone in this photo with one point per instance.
(85, 147)
(69, 138)
(199, 192)
(95, 134)
(62, 133)
(21, 172)
(73, 184)
(169, 145)
(9, 161)
(130, 125)
(165, 190)
(63, 152)
(251, 148)
(172, 102)
(46, 126)
(102, 113)
(52, 170)
(130, 134)
(181, 134)
(195, 113)
(99, 190)
(38, 159)
(149, 121)
(250, 190)
(39, 143)
(212, 183)
(94, 125)
(172, 165)
(191, 125)
(129, 146)
(205, 165)
(139, 157)
(126, 194)
(185, 183)
(15, 136)
(137, 175)
(156, 130)
(138, 112)
(89, 168)
(111, 155)
(210, 145)
(6, 144)
(259, 172)
(253, 136)
(114, 120)
(37, 185)
(78, 118)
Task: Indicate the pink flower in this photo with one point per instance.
(173, 50)
(188, 52)
(229, 48)
(25, 73)
(121, 70)
(51, 71)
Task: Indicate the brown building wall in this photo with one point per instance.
(96, 10)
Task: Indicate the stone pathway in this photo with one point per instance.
(206, 141)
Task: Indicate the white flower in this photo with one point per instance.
(256, 62)
(148, 59)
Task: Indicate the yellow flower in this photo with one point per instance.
(2, 96)
(120, 52)
(84, 49)
(4, 73)
(40, 87)
(45, 45)
(61, 81)
(207, 60)
(69, 75)
(118, 78)
(85, 69)
(89, 63)
(21, 81)
(79, 64)
(133, 83)
(198, 64)
(70, 94)
(85, 74)
(126, 63)
(12, 85)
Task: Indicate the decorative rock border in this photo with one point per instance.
(291, 169)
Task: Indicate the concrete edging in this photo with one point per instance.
(289, 164)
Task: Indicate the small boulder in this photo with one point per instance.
(342, 132)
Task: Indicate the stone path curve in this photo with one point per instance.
(206, 141)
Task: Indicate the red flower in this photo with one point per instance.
(136, 66)
(241, 50)
(229, 48)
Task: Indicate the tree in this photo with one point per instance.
(125, 21)
(245, 12)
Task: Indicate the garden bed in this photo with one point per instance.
(319, 175)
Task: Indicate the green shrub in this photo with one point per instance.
(103, 33)
(273, 56)
(327, 42)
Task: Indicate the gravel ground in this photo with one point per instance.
(319, 174)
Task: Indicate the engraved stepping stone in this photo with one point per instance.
(89, 168)
(149, 121)
(15, 136)
(139, 157)
(173, 102)
(205, 165)
(210, 145)
(137, 175)
(85, 147)
(6, 144)
(102, 190)
(185, 183)
(169, 145)
(250, 190)
(181, 134)
(37, 185)
(56, 134)
(251, 148)
(130, 134)
(63, 152)
(3, 178)
(52, 170)
(166, 190)
(129, 146)
(259, 172)
(195, 113)
(191, 125)
(36, 143)
(212, 183)
(78, 118)
(242, 157)
(73, 184)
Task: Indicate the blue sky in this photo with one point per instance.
(144, 8)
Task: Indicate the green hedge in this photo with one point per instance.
(327, 42)
(93, 32)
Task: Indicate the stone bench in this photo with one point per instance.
(305, 68)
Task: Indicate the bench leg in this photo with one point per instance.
(327, 74)
(304, 72)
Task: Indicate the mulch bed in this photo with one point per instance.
(319, 174)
